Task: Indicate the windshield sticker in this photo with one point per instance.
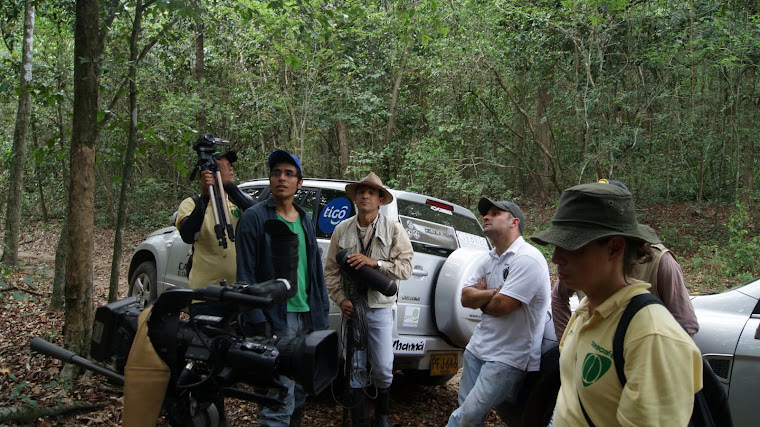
(412, 316)
(333, 214)
(429, 232)
(471, 240)
(406, 346)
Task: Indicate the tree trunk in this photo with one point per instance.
(342, 133)
(79, 310)
(200, 73)
(542, 137)
(394, 103)
(57, 302)
(38, 175)
(129, 156)
(24, 112)
(748, 163)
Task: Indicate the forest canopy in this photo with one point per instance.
(450, 98)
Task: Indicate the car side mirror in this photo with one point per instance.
(174, 218)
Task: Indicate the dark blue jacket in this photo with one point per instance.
(254, 264)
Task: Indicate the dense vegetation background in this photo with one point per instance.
(454, 99)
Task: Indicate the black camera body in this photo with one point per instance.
(208, 354)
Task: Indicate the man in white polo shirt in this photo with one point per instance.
(512, 289)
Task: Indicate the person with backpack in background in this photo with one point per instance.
(597, 242)
(661, 271)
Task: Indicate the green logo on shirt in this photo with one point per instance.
(595, 365)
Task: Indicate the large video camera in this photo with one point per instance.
(208, 354)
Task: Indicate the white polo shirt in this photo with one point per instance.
(522, 273)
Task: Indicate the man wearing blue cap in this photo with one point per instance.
(195, 223)
(307, 310)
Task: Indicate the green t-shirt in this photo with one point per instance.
(300, 302)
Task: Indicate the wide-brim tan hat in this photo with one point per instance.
(371, 180)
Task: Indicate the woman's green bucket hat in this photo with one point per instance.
(588, 212)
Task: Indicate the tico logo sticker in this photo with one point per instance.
(594, 367)
(333, 214)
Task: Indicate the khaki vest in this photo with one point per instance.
(648, 272)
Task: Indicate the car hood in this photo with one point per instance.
(722, 317)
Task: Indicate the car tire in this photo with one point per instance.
(142, 283)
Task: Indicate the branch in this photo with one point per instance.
(29, 413)
(15, 288)
(144, 52)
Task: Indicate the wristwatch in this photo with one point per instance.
(379, 263)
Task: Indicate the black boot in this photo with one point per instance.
(359, 409)
(382, 408)
(295, 419)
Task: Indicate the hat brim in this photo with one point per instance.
(575, 236)
(352, 187)
(484, 204)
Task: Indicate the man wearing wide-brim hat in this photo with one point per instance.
(597, 241)
(373, 240)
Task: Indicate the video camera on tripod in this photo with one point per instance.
(203, 356)
(205, 146)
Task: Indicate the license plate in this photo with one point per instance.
(443, 364)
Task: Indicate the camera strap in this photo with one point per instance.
(365, 250)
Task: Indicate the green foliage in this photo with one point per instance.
(743, 249)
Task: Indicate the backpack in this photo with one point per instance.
(710, 403)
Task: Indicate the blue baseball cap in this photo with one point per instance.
(280, 156)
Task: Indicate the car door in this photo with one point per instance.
(742, 393)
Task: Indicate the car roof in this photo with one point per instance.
(340, 184)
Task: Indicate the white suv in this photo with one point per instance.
(432, 328)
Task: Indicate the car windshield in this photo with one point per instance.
(435, 228)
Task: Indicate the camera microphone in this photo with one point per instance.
(367, 275)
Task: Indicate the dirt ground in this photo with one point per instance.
(31, 380)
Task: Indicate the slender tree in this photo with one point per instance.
(15, 193)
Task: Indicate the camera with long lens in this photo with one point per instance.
(208, 355)
(366, 276)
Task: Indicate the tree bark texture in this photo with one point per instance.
(23, 114)
(79, 310)
(129, 156)
(200, 73)
(342, 133)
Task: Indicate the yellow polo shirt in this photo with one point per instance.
(663, 367)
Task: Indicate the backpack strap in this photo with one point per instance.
(634, 305)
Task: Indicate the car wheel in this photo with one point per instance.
(424, 378)
(142, 283)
